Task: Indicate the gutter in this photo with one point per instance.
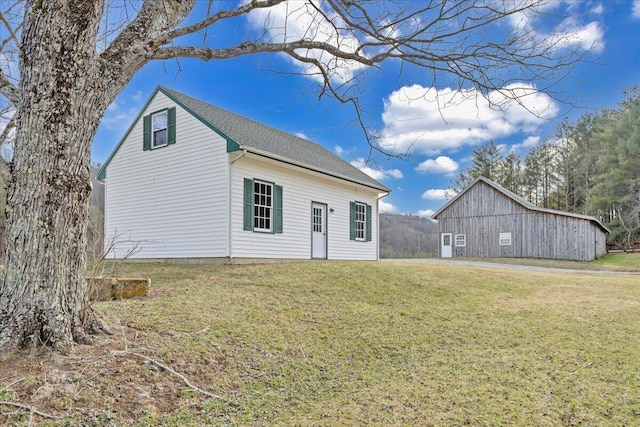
(312, 168)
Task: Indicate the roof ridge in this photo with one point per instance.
(518, 199)
(250, 133)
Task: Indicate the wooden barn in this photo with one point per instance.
(487, 220)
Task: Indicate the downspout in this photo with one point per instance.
(230, 204)
(378, 224)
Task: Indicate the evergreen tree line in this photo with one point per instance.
(590, 166)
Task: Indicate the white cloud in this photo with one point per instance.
(137, 96)
(387, 207)
(425, 213)
(427, 120)
(115, 119)
(378, 174)
(301, 135)
(438, 194)
(442, 164)
(597, 9)
(292, 21)
(529, 142)
(338, 149)
(565, 35)
(636, 8)
(570, 33)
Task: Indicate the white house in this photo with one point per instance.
(192, 181)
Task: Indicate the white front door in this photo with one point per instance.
(318, 230)
(445, 245)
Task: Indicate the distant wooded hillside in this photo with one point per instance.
(407, 236)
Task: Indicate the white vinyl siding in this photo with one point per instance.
(169, 203)
(300, 188)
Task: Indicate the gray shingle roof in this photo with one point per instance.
(267, 141)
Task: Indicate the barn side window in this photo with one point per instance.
(461, 240)
(505, 239)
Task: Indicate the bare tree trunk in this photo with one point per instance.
(43, 296)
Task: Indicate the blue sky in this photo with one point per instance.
(401, 106)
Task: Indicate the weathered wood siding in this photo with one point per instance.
(170, 202)
(482, 213)
(479, 201)
(300, 188)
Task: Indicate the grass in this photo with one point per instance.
(331, 343)
(629, 262)
(620, 261)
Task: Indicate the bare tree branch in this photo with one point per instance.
(136, 43)
(249, 47)
(7, 89)
(31, 410)
(209, 21)
(4, 136)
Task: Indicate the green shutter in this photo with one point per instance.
(146, 140)
(368, 224)
(352, 220)
(248, 204)
(277, 204)
(171, 125)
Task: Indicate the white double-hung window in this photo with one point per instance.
(361, 220)
(262, 206)
(159, 123)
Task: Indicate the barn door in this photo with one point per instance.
(445, 245)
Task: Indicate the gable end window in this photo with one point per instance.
(159, 129)
(461, 240)
(505, 239)
(360, 221)
(262, 206)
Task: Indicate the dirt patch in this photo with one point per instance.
(96, 384)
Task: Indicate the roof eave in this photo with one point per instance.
(289, 161)
(532, 207)
(102, 174)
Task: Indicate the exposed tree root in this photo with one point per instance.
(32, 411)
(167, 368)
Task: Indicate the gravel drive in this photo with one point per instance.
(507, 266)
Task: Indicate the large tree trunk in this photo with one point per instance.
(43, 298)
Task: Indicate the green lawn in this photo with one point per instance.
(379, 343)
(622, 261)
(629, 262)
